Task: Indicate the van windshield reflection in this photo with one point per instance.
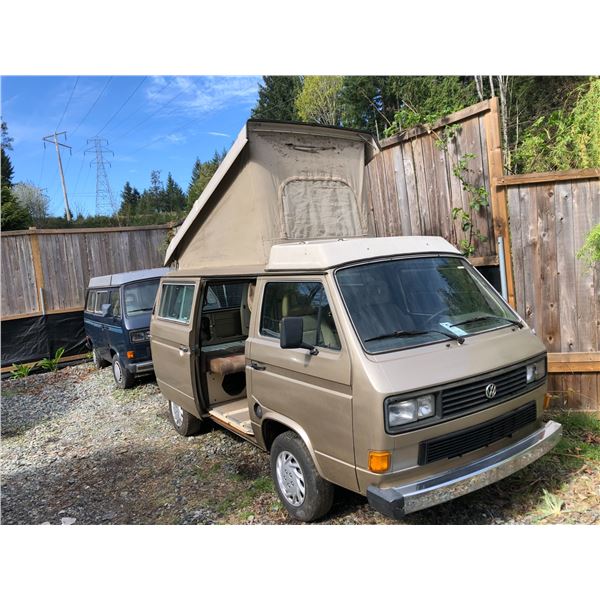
(139, 297)
(410, 302)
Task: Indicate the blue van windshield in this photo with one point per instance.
(139, 297)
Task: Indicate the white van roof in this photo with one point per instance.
(324, 254)
(128, 277)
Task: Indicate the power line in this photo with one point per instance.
(151, 115)
(92, 107)
(122, 106)
(67, 106)
(136, 110)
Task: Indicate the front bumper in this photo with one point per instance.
(399, 501)
(139, 368)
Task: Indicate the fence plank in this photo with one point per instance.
(516, 235)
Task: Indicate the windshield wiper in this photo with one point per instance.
(410, 333)
(485, 318)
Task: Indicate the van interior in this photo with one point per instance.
(224, 327)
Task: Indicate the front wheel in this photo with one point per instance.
(185, 423)
(304, 493)
(123, 378)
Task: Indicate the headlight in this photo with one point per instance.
(407, 411)
(536, 370)
(139, 336)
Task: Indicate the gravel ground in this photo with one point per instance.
(77, 450)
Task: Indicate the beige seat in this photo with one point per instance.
(291, 307)
(225, 365)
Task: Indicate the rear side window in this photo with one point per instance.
(91, 302)
(176, 301)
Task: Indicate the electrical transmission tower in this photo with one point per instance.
(105, 202)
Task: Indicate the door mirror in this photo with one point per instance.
(106, 310)
(291, 332)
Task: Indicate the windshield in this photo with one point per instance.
(139, 297)
(416, 301)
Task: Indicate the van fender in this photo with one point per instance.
(293, 426)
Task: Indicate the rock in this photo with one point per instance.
(67, 521)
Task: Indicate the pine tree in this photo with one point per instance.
(174, 196)
(130, 204)
(201, 175)
(277, 98)
(14, 215)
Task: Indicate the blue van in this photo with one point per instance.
(117, 322)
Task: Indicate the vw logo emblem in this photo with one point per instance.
(490, 390)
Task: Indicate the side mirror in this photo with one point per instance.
(106, 310)
(291, 331)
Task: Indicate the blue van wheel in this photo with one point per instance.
(99, 362)
(123, 378)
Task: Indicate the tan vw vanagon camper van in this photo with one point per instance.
(388, 366)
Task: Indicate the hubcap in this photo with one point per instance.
(290, 478)
(117, 370)
(177, 413)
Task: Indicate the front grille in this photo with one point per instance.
(465, 397)
(467, 440)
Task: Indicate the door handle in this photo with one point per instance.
(257, 367)
(183, 350)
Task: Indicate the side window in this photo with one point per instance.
(223, 295)
(101, 298)
(115, 300)
(176, 301)
(91, 302)
(300, 299)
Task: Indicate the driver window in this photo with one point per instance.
(300, 299)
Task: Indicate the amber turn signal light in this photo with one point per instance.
(547, 399)
(379, 461)
(130, 353)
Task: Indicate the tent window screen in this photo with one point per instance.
(319, 208)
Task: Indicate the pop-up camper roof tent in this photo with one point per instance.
(280, 182)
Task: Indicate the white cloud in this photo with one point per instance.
(218, 133)
(175, 138)
(196, 96)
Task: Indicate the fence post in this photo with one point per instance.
(498, 199)
(38, 271)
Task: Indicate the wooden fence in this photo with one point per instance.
(46, 271)
(412, 189)
(550, 217)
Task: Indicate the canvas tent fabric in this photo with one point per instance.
(279, 182)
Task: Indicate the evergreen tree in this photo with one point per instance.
(201, 175)
(130, 201)
(174, 197)
(14, 215)
(277, 98)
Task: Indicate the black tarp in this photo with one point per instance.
(34, 338)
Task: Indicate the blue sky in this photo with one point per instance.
(150, 123)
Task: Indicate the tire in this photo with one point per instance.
(185, 423)
(304, 493)
(123, 378)
(99, 362)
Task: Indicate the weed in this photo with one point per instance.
(20, 371)
(51, 364)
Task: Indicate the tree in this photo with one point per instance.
(174, 197)
(34, 200)
(152, 199)
(13, 215)
(277, 98)
(201, 175)
(130, 201)
(319, 101)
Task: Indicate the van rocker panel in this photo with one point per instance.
(396, 502)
